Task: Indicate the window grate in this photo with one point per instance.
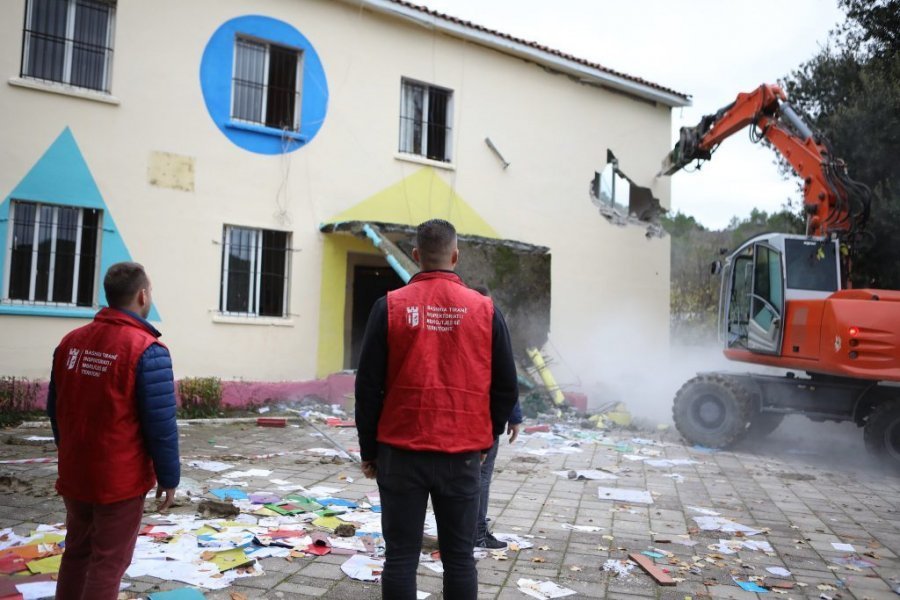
(255, 272)
(53, 254)
(266, 85)
(425, 117)
(69, 41)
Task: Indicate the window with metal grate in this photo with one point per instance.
(69, 41)
(255, 272)
(425, 120)
(266, 84)
(53, 254)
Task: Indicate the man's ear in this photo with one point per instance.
(415, 254)
(454, 258)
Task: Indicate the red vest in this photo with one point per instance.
(437, 388)
(102, 458)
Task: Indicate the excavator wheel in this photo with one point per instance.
(712, 410)
(882, 433)
(762, 424)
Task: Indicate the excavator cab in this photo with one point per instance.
(761, 276)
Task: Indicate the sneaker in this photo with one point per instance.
(490, 543)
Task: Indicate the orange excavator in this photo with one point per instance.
(786, 300)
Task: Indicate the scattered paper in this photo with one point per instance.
(247, 473)
(704, 511)
(179, 594)
(37, 590)
(723, 524)
(620, 567)
(543, 590)
(750, 586)
(779, 571)
(210, 465)
(511, 538)
(585, 474)
(625, 495)
(363, 568)
(662, 463)
(843, 547)
(584, 528)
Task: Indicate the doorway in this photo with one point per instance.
(369, 283)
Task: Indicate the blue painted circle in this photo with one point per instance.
(215, 82)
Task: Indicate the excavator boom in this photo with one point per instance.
(834, 203)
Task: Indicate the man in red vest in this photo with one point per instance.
(436, 384)
(112, 407)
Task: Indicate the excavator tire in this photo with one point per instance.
(712, 410)
(882, 433)
(762, 424)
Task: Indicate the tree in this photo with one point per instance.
(850, 91)
(694, 289)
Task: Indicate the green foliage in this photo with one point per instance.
(201, 397)
(18, 399)
(850, 91)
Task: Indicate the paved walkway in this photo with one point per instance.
(805, 492)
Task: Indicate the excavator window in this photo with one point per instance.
(739, 301)
(767, 301)
(811, 265)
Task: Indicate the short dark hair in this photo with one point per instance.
(122, 282)
(435, 239)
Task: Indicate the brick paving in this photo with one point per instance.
(804, 491)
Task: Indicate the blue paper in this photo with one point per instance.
(750, 586)
(336, 502)
(652, 554)
(224, 493)
(179, 594)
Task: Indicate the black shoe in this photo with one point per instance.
(490, 543)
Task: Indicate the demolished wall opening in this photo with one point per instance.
(517, 275)
(623, 202)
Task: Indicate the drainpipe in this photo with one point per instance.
(387, 249)
(546, 376)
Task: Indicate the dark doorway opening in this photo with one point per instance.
(369, 284)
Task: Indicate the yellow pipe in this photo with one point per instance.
(546, 376)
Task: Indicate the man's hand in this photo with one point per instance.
(483, 457)
(162, 505)
(513, 431)
(369, 469)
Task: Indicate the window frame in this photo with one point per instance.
(76, 269)
(256, 274)
(69, 48)
(425, 123)
(298, 92)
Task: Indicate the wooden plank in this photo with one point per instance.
(652, 570)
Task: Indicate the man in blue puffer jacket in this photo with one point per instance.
(112, 407)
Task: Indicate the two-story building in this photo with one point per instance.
(237, 148)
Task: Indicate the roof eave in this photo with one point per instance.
(562, 64)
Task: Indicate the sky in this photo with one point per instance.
(710, 49)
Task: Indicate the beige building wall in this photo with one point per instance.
(553, 130)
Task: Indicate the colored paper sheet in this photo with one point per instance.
(179, 594)
(224, 493)
(307, 504)
(327, 522)
(230, 559)
(45, 565)
(12, 564)
(336, 502)
(750, 586)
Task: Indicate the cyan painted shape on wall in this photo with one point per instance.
(62, 176)
(216, 69)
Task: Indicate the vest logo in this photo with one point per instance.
(412, 316)
(73, 358)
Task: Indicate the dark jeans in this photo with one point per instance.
(487, 470)
(100, 541)
(405, 480)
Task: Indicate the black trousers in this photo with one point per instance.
(405, 481)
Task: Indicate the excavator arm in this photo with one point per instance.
(834, 203)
